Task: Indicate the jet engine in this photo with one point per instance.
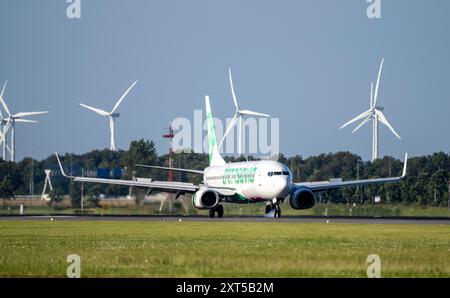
(205, 199)
(302, 198)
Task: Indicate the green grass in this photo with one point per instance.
(221, 249)
(130, 208)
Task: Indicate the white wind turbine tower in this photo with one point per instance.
(2, 126)
(375, 114)
(10, 123)
(238, 117)
(112, 116)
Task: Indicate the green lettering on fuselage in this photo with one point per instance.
(239, 175)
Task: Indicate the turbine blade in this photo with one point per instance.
(24, 114)
(25, 120)
(251, 113)
(360, 116)
(123, 96)
(230, 126)
(1, 98)
(362, 123)
(378, 83)
(232, 89)
(5, 106)
(371, 95)
(385, 122)
(98, 111)
(7, 127)
(3, 89)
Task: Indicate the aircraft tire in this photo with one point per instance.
(212, 212)
(219, 210)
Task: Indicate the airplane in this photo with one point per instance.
(239, 182)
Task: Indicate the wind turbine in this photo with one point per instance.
(10, 123)
(238, 117)
(375, 114)
(112, 116)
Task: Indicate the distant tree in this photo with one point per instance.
(140, 152)
(295, 163)
(56, 196)
(6, 188)
(282, 158)
(114, 190)
(393, 192)
(437, 187)
(347, 194)
(75, 194)
(94, 201)
(419, 188)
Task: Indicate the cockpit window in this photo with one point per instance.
(284, 173)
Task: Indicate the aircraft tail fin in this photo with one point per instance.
(215, 159)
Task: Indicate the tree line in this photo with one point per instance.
(426, 182)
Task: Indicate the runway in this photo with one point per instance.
(254, 219)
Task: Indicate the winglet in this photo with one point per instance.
(405, 163)
(61, 167)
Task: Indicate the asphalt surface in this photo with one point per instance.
(255, 219)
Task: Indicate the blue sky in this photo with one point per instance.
(309, 63)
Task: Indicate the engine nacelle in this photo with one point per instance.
(205, 199)
(302, 198)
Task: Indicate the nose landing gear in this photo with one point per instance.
(273, 209)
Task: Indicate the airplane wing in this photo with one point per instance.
(338, 183)
(165, 186)
(172, 169)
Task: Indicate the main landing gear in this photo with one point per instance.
(218, 209)
(273, 209)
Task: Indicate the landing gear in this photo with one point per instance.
(218, 209)
(212, 213)
(273, 210)
(277, 211)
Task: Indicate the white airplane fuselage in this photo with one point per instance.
(253, 181)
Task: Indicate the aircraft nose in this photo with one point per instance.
(282, 189)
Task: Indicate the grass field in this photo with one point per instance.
(221, 249)
(129, 207)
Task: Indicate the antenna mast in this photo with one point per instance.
(170, 136)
